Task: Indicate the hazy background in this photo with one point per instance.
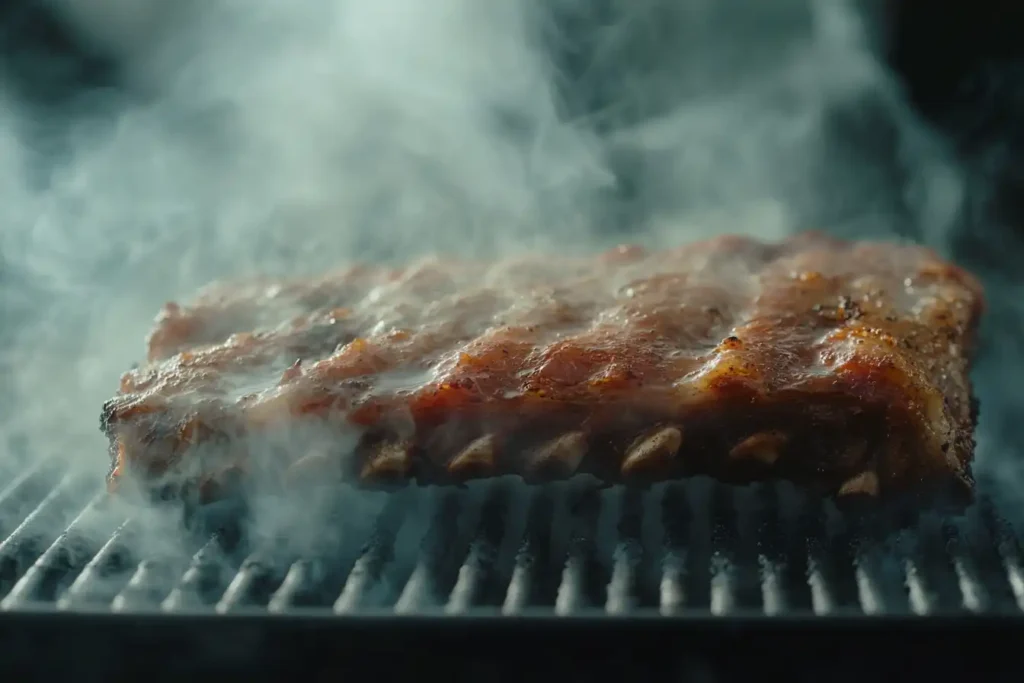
(287, 135)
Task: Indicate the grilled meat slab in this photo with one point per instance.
(840, 366)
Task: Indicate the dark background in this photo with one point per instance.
(962, 65)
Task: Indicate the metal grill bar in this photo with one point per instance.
(527, 581)
(691, 547)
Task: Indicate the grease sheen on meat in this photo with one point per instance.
(840, 365)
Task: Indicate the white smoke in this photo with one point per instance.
(288, 135)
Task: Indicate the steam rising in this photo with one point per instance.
(278, 136)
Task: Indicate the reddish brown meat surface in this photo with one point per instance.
(841, 366)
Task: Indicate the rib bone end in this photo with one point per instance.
(865, 484)
(765, 447)
(475, 461)
(558, 458)
(388, 461)
(653, 453)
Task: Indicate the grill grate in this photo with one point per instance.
(502, 547)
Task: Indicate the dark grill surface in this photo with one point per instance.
(501, 547)
(688, 580)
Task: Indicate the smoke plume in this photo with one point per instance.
(286, 136)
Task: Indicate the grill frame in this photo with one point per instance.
(95, 645)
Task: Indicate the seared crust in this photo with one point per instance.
(843, 366)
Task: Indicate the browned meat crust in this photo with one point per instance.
(841, 366)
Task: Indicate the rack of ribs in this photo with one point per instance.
(840, 366)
